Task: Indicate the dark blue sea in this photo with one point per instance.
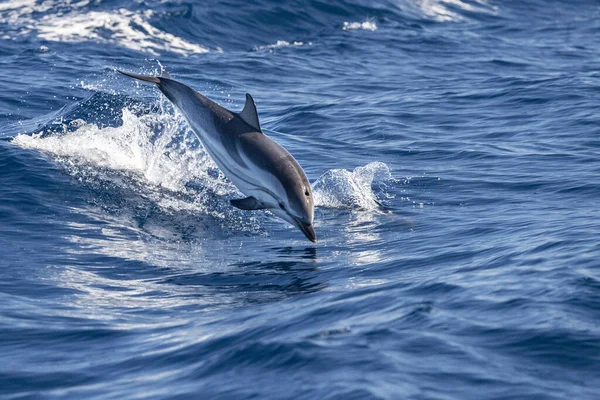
(453, 147)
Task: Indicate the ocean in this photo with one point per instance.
(453, 148)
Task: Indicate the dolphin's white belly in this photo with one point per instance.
(247, 177)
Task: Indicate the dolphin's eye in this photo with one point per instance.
(306, 193)
(281, 206)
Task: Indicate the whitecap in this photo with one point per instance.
(444, 10)
(280, 44)
(366, 25)
(119, 27)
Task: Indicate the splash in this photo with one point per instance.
(69, 21)
(152, 149)
(340, 188)
(151, 170)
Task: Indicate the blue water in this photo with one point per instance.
(453, 148)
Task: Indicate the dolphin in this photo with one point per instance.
(258, 166)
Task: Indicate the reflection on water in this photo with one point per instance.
(164, 274)
(307, 253)
(363, 233)
(176, 258)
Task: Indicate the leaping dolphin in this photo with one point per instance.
(259, 167)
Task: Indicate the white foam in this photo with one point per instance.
(132, 148)
(357, 283)
(442, 10)
(280, 44)
(340, 188)
(120, 27)
(366, 25)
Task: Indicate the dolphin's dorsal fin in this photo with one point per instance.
(249, 113)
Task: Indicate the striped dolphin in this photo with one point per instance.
(258, 166)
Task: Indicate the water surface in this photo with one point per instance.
(125, 273)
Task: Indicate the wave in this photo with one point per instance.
(447, 10)
(132, 148)
(179, 27)
(72, 22)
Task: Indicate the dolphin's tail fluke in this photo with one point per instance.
(152, 79)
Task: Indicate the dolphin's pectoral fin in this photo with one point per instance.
(249, 113)
(249, 203)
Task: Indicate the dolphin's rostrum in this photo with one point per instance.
(259, 167)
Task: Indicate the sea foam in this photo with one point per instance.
(120, 27)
